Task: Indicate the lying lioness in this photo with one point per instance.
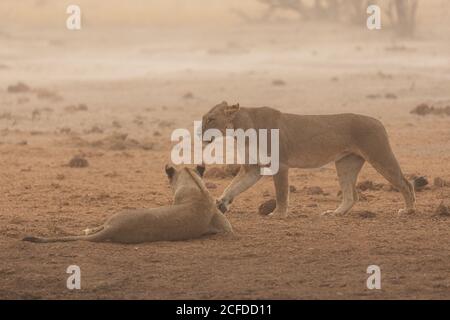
(309, 142)
(192, 215)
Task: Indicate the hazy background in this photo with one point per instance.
(113, 92)
(432, 14)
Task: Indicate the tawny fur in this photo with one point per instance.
(312, 141)
(192, 215)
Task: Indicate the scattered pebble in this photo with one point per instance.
(424, 109)
(367, 214)
(210, 185)
(278, 82)
(390, 96)
(420, 183)
(315, 191)
(78, 162)
(22, 143)
(368, 185)
(76, 108)
(46, 94)
(6, 116)
(439, 182)
(116, 124)
(20, 87)
(373, 96)
(443, 209)
(188, 95)
(113, 174)
(94, 130)
(267, 207)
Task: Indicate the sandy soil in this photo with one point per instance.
(86, 89)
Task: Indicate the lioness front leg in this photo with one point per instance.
(247, 177)
(281, 181)
(347, 169)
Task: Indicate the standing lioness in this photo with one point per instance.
(309, 142)
(192, 215)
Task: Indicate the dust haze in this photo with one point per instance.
(85, 124)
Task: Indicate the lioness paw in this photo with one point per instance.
(222, 205)
(409, 211)
(328, 213)
(278, 214)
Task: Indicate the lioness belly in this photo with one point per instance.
(314, 141)
(314, 160)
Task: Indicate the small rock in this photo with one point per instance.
(390, 96)
(367, 214)
(113, 174)
(210, 185)
(93, 130)
(420, 183)
(188, 95)
(6, 115)
(443, 209)
(267, 207)
(65, 130)
(46, 94)
(18, 88)
(314, 191)
(76, 108)
(292, 189)
(22, 143)
(422, 109)
(78, 162)
(368, 185)
(147, 145)
(439, 182)
(116, 124)
(373, 96)
(278, 82)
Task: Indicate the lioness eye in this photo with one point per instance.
(209, 120)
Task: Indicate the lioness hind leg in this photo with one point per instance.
(386, 164)
(347, 169)
(219, 224)
(281, 181)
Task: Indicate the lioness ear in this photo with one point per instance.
(170, 171)
(200, 169)
(231, 110)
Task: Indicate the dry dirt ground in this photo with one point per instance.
(114, 97)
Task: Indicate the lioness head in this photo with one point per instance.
(220, 117)
(182, 176)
